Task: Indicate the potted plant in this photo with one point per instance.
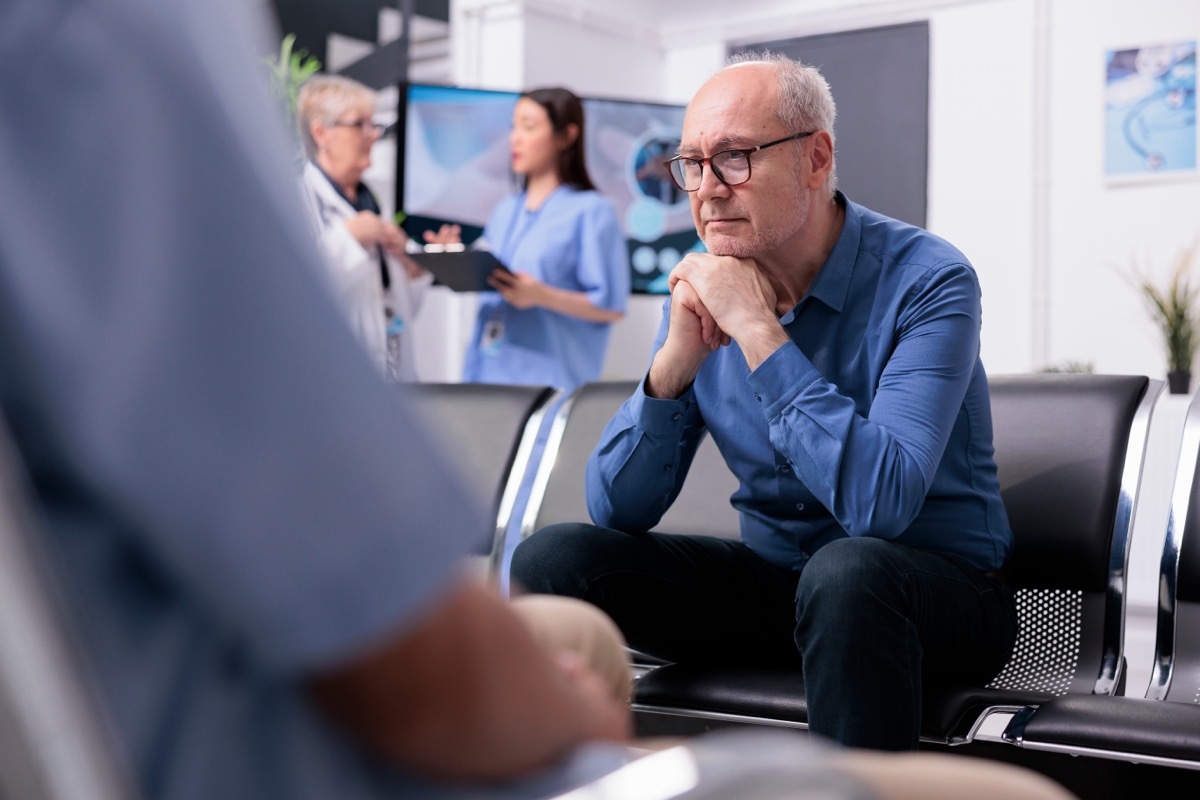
(1175, 309)
(288, 70)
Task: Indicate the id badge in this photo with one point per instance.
(493, 334)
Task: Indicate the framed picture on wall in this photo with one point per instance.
(1150, 113)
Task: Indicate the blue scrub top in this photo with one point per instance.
(572, 242)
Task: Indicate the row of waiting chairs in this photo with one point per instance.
(1070, 451)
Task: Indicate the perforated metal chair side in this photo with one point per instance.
(1070, 489)
(1162, 728)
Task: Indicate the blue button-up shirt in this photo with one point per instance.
(875, 421)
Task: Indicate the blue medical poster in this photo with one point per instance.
(1150, 111)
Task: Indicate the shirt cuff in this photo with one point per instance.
(658, 416)
(781, 378)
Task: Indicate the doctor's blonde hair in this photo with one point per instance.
(324, 98)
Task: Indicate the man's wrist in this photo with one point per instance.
(666, 380)
(759, 341)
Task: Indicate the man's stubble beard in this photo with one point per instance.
(762, 242)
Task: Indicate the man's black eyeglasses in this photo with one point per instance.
(731, 167)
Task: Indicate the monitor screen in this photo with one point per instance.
(453, 166)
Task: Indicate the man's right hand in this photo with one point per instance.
(691, 336)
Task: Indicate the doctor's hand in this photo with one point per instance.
(394, 239)
(447, 234)
(368, 228)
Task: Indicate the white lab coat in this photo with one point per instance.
(355, 274)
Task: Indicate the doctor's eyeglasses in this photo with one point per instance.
(365, 126)
(731, 167)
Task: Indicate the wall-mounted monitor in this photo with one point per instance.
(453, 166)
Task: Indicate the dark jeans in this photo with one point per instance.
(868, 620)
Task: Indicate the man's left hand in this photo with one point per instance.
(739, 297)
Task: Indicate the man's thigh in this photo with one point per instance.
(964, 620)
(681, 598)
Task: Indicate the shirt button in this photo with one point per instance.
(666, 467)
(678, 415)
(799, 506)
(785, 469)
(756, 397)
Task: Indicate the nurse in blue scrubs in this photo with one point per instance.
(548, 322)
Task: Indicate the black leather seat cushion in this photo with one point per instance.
(1121, 724)
(778, 694)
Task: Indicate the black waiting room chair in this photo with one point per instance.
(1069, 449)
(489, 432)
(557, 496)
(1163, 727)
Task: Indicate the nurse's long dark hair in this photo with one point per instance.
(564, 109)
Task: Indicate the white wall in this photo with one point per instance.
(1098, 229)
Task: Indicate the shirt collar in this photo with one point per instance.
(832, 284)
(365, 202)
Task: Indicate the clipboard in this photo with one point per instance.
(460, 270)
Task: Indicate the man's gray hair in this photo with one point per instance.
(324, 98)
(805, 101)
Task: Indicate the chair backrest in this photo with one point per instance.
(1069, 449)
(55, 742)
(558, 491)
(1175, 674)
(490, 431)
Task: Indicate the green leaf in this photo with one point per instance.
(1175, 308)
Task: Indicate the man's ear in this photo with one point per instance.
(820, 154)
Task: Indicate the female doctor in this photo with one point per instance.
(379, 286)
(549, 321)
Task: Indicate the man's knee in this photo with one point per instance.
(850, 573)
(551, 560)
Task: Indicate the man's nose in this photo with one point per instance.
(710, 184)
